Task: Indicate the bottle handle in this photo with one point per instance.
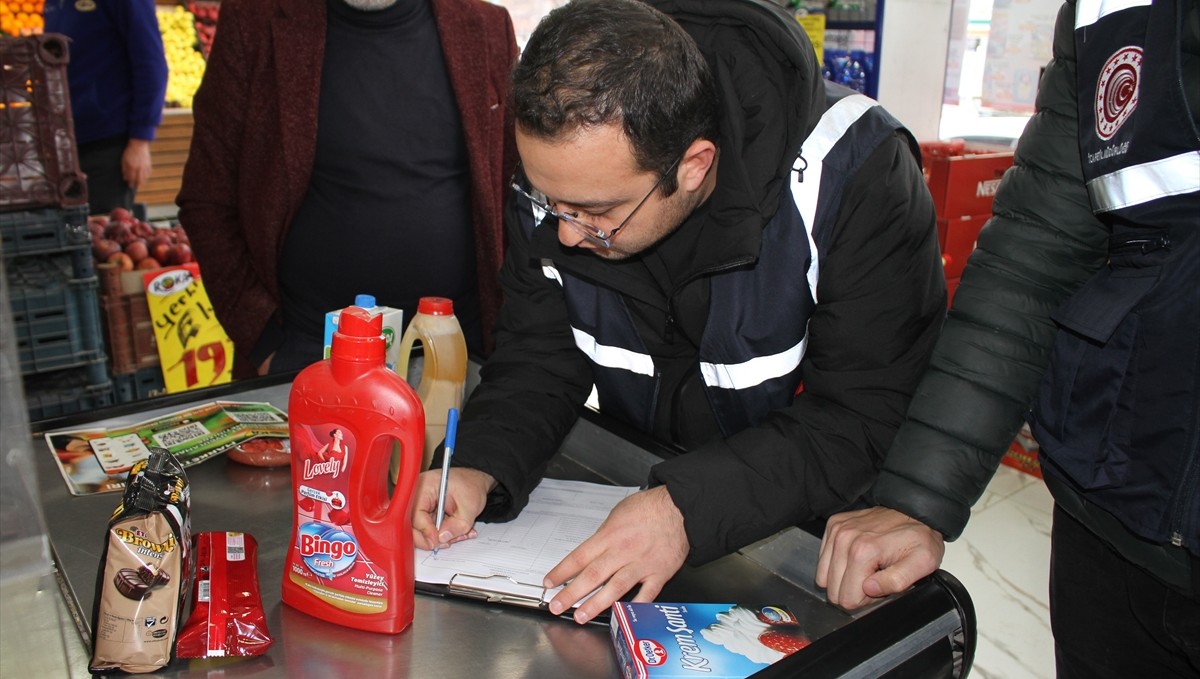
(412, 445)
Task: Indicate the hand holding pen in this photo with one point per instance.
(451, 432)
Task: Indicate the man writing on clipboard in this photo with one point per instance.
(675, 214)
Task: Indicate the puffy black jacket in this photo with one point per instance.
(881, 303)
(1042, 244)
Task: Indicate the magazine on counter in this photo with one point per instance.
(98, 460)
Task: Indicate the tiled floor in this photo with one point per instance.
(1003, 559)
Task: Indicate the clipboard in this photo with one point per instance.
(499, 565)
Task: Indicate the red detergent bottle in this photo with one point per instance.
(351, 556)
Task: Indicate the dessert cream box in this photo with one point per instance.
(670, 640)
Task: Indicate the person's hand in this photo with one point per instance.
(466, 495)
(641, 541)
(135, 163)
(872, 553)
(265, 367)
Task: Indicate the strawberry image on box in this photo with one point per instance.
(667, 640)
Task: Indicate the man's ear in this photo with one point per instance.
(695, 164)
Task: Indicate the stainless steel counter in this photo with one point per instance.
(930, 627)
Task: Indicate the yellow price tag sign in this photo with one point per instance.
(814, 26)
(192, 346)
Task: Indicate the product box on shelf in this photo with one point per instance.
(127, 323)
(963, 178)
(39, 160)
(56, 319)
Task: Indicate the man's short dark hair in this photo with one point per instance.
(600, 62)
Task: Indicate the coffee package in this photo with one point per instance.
(142, 581)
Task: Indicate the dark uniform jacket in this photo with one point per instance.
(1083, 300)
(837, 271)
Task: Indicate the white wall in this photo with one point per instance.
(912, 63)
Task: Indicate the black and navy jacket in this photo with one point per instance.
(776, 336)
(1118, 413)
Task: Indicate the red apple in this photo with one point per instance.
(122, 260)
(121, 232)
(104, 248)
(160, 248)
(101, 220)
(137, 250)
(120, 213)
(143, 229)
(180, 235)
(147, 263)
(181, 253)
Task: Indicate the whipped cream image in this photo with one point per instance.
(738, 630)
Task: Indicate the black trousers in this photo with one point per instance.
(1113, 619)
(100, 160)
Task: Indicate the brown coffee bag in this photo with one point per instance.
(142, 580)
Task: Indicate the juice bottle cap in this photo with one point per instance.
(359, 336)
(436, 306)
(364, 301)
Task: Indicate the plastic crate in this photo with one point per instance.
(39, 159)
(127, 325)
(68, 391)
(43, 231)
(55, 307)
(137, 386)
(963, 178)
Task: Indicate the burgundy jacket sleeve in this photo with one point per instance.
(251, 156)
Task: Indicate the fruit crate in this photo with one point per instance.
(130, 332)
(139, 385)
(69, 391)
(56, 316)
(42, 231)
(39, 160)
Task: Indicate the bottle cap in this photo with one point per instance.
(364, 301)
(359, 336)
(436, 306)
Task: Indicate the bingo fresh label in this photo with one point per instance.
(327, 559)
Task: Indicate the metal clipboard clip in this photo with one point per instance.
(477, 587)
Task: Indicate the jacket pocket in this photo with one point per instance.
(1084, 414)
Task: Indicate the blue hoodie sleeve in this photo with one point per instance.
(137, 21)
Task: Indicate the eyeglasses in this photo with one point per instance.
(592, 234)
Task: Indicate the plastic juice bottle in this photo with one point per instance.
(351, 555)
(444, 375)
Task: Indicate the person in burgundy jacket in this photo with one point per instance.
(344, 147)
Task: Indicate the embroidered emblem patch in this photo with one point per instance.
(1117, 90)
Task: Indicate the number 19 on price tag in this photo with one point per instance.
(192, 345)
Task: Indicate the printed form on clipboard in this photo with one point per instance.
(507, 562)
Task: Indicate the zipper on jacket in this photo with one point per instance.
(669, 328)
(1143, 244)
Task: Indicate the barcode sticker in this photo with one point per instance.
(253, 417)
(181, 435)
(204, 591)
(235, 547)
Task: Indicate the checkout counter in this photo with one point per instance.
(926, 632)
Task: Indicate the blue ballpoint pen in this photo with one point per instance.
(448, 452)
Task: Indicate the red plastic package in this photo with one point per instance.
(227, 615)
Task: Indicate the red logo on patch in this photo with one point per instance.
(1117, 90)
